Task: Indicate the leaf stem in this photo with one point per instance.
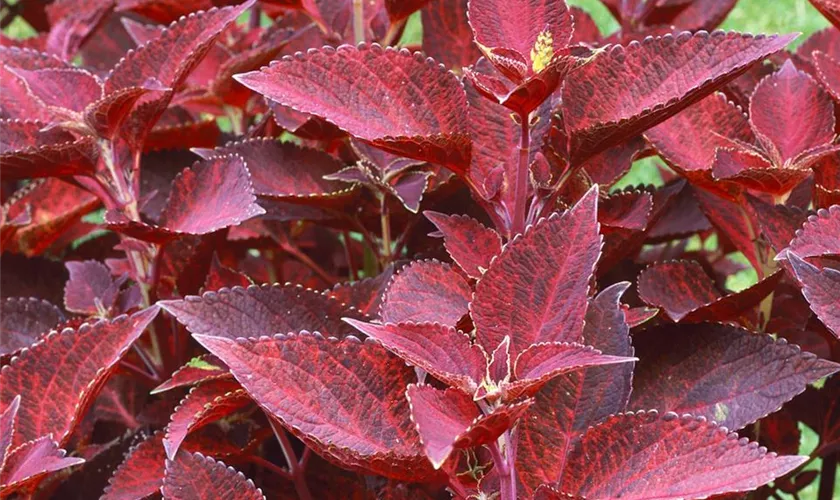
(385, 222)
(150, 367)
(507, 479)
(520, 193)
(348, 253)
(359, 21)
(828, 475)
(296, 469)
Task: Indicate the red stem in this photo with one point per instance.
(520, 193)
(296, 469)
(507, 479)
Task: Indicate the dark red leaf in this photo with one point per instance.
(262, 310)
(819, 236)
(71, 89)
(778, 223)
(448, 420)
(828, 70)
(681, 456)
(830, 9)
(398, 10)
(141, 473)
(90, 289)
(23, 321)
(428, 123)
(732, 222)
(470, 244)
(72, 24)
(443, 351)
(536, 290)
(301, 380)
(204, 404)
(544, 361)
(31, 460)
(726, 374)
(447, 37)
(626, 210)
(60, 375)
(8, 419)
(679, 287)
(365, 295)
(199, 369)
(608, 101)
(426, 291)
(163, 11)
(192, 476)
(821, 287)
(27, 151)
(193, 134)
(608, 166)
(220, 276)
(15, 100)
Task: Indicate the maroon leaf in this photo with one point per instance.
(819, 236)
(828, 70)
(726, 374)
(197, 370)
(301, 380)
(365, 295)
(261, 310)
(820, 287)
(203, 405)
(23, 321)
(90, 289)
(678, 287)
(536, 290)
(681, 456)
(830, 9)
(27, 151)
(69, 88)
(220, 276)
(428, 123)
(60, 375)
(31, 460)
(626, 210)
(448, 420)
(732, 222)
(193, 476)
(141, 473)
(607, 101)
(8, 419)
(542, 362)
(426, 291)
(470, 244)
(778, 223)
(791, 114)
(443, 351)
(447, 36)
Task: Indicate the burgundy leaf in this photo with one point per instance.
(791, 114)
(33, 459)
(141, 473)
(220, 276)
(447, 37)
(443, 351)
(608, 101)
(470, 244)
(828, 70)
(90, 289)
(626, 210)
(60, 375)
(410, 188)
(72, 24)
(830, 9)
(261, 310)
(427, 123)
(192, 476)
(779, 223)
(24, 320)
(819, 236)
(678, 287)
(449, 419)
(8, 419)
(732, 222)
(197, 370)
(608, 166)
(726, 374)
(68, 88)
(204, 404)
(536, 290)
(821, 288)
(326, 391)
(426, 291)
(366, 294)
(542, 362)
(28, 151)
(681, 456)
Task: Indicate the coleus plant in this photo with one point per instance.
(459, 316)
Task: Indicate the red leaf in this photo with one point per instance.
(203, 405)
(69, 88)
(753, 171)
(470, 244)
(28, 151)
(23, 321)
(8, 419)
(536, 290)
(608, 100)
(828, 71)
(679, 287)
(192, 476)
(141, 473)
(441, 350)
(220, 276)
(821, 287)
(778, 223)
(726, 374)
(447, 36)
(732, 222)
(830, 9)
(626, 210)
(516, 25)
(31, 460)
(819, 236)
(261, 310)
(90, 289)
(791, 114)
(401, 9)
(680, 456)
(302, 380)
(426, 291)
(199, 369)
(366, 294)
(163, 11)
(428, 123)
(193, 134)
(59, 376)
(448, 420)
(15, 100)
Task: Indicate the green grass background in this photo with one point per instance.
(753, 16)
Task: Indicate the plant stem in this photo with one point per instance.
(296, 470)
(348, 253)
(385, 221)
(359, 21)
(827, 477)
(257, 460)
(507, 481)
(520, 193)
(152, 369)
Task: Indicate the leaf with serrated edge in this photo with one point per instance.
(830, 9)
(679, 287)
(828, 71)
(8, 419)
(447, 36)
(199, 369)
(426, 291)
(60, 375)
(141, 473)
(31, 460)
(24, 320)
(426, 123)
(726, 374)
(90, 284)
(682, 457)
(262, 310)
(536, 290)
(343, 398)
(449, 419)
(819, 236)
(471, 244)
(821, 287)
(608, 100)
(192, 476)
